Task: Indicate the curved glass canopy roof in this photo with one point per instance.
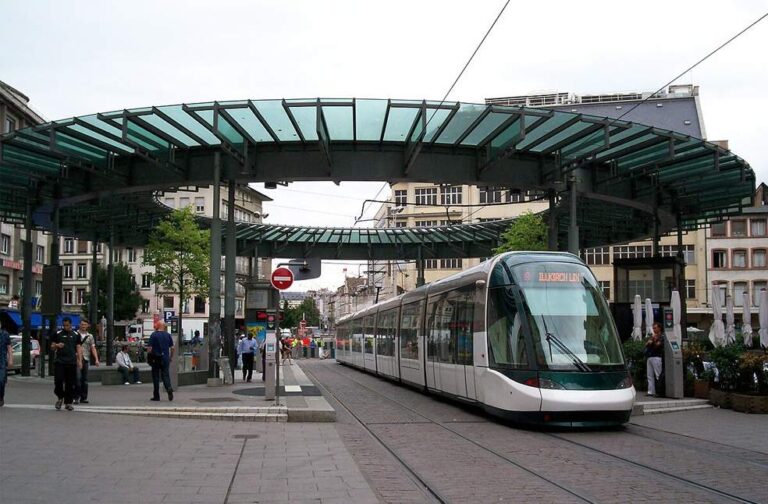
(101, 169)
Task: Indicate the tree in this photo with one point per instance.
(527, 232)
(179, 251)
(307, 310)
(127, 297)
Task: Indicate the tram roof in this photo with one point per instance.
(104, 170)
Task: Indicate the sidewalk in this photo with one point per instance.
(299, 401)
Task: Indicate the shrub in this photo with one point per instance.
(634, 352)
(752, 376)
(726, 359)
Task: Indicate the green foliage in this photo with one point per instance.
(179, 251)
(726, 359)
(527, 232)
(127, 297)
(307, 309)
(693, 359)
(634, 352)
(752, 374)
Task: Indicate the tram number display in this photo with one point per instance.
(553, 277)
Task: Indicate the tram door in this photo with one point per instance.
(450, 344)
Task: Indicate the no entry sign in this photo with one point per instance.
(282, 278)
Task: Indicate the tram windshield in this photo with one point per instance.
(568, 317)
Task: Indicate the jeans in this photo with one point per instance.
(156, 372)
(3, 379)
(248, 366)
(81, 382)
(653, 370)
(64, 377)
(125, 372)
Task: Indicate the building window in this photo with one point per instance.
(757, 227)
(605, 287)
(68, 296)
(739, 288)
(183, 202)
(80, 296)
(515, 196)
(632, 252)
(758, 258)
(238, 306)
(597, 256)
(82, 247)
(5, 282)
(718, 229)
(690, 289)
(40, 254)
(756, 288)
(5, 244)
(38, 288)
(491, 194)
(723, 288)
(200, 304)
(10, 125)
(400, 224)
(488, 219)
(168, 302)
(146, 280)
(131, 255)
(199, 204)
(450, 263)
(450, 195)
(739, 258)
(69, 245)
(739, 228)
(82, 270)
(719, 259)
(426, 223)
(117, 255)
(401, 197)
(97, 246)
(145, 306)
(67, 270)
(426, 196)
(430, 264)
(689, 252)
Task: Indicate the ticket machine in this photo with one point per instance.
(673, 358)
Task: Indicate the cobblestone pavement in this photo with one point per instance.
(449, 447)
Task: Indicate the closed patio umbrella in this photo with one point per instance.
(717, 331)
(648, 317)
(746, 322)
(675, 303)
(637, 319)
(763, 318)
(730, 325)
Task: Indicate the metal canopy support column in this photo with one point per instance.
(656, 233)
(552, 236)
(94, 307)
(26, 300)
(229, 277)
(214, 294)
(111, 297)
(420, 268)
(573, 229)
(44, 347)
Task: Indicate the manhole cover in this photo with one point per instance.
(245, 436)
(217, 399)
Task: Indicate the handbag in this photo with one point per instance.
(154, 360)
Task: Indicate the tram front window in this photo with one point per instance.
(568, 317)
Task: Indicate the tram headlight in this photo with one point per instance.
(543, 383)
(625, 383)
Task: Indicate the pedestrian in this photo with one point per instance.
(246, 349)
(654, 350)
(6, 361)
(90, 357)
(160, 353)
(263, 352)
(69, 357)
(126, 367)
(320, 353)
(285, 349)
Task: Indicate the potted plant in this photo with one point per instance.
(693, 363)
(751, 394)
(726, 360)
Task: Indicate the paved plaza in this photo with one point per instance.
(435, 451)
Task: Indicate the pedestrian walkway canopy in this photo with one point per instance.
(104, 170)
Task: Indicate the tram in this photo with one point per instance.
(527, 336)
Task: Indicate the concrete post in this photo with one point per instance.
(26, 301)
(573, 229)
(229, 278)
(111, 298)
(420, 280)
(214, 293)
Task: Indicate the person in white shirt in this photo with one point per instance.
(126, 367)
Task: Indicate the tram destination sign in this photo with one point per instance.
(282, 278)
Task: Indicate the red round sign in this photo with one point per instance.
(282, 278)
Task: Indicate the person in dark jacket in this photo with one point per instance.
(160, 351)
(654, 349)
(69, 358)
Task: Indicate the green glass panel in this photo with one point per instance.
(79, 148)
(435, 119)
(466, 115)
(274, 114)
(140, 110)
(370, 118)
(107, 127)
(608, 154)
(146, 139)
(306, 117)
(399, 123)
(589, 143)
(250, 123)
(418, 129)
(230, 133)
(85, 131)
(350, 101)
(339, 122)
(485, 128)
(176, 113)
(163, 125)
(234, 103)
(563, 135)
(644, 156)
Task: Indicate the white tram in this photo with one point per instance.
(526, 335)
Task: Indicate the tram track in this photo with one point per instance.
(680, 480)
(430, 487)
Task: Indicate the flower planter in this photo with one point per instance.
(749, 403)
(720, 398)
(701, 389)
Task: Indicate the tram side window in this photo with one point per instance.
(409, 330)
(442, 344)
(385, 334)
(462, 326)
(506, 339)
(356, 332)
(368, 334)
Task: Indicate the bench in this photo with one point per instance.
(111, 376)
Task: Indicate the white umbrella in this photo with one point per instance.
(730, 325)
(676, 316)
(763, 318)
(746, 322)
(717, 331)
(637, 319)
(648, 317)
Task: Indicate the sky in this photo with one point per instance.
(81, 57)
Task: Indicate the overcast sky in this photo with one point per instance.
(76, 57)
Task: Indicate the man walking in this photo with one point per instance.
(247, 348)
(159, 357)
(69, 358)
(6, 360)
(90, 355)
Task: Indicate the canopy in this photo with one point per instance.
(746, 321)
(637, 319)
(730, 325)
(717, 331)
